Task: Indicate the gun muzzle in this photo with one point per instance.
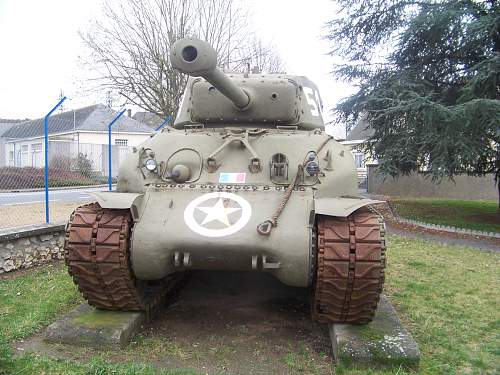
(199, 59)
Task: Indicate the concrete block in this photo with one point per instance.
(89, 327)
(383, 343)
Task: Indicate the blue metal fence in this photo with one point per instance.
(110, 164)
(43, 180)
(164, 123)
(46, 141)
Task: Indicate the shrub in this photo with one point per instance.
(59, 162)
(60, 174)
(84, 165)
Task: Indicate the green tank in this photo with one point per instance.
(246, 179)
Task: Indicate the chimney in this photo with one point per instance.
(129, 112)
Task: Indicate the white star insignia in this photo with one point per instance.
(218, 212)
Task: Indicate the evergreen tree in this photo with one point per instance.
(428, 79)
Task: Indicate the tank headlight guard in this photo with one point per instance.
(311, 155)
(182, 173)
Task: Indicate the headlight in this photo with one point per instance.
(180, 173)
(312, 168)
(150, 165)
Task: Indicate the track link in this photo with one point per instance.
(350, 267)
(96, 251)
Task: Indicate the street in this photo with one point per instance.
(72, 195)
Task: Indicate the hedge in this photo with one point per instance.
(12, 178)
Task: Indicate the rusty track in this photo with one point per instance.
(97, 255)
(350, 268)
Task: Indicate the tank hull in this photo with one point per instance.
(193, 223)
(347, 261)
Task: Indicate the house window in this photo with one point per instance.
(359, 160)
(121, 142)
(36, 155)
(24, 155)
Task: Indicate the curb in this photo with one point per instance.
(443, 228)
(449, 229)
(15, 233)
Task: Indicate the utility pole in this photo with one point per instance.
(61, 95)
(109, 100)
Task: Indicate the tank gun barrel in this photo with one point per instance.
(199, 59)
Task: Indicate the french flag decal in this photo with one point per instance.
(232, 178)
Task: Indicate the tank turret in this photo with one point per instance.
(214, 98)
(197, 58)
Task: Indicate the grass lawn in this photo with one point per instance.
(477, 215)
(447, 296)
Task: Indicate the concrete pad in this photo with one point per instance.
(221, 323)
(87, 326)
(383, 343)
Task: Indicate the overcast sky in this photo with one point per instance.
(40, 47)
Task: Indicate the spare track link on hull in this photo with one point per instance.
(96, 251)
(350, 267)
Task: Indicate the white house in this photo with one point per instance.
(81, 131)
(356, 137)
(5, 125)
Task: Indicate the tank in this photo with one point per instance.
(245, 179)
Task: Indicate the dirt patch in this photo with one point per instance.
(237, 323)
(28, 214)
(493, 218)
(467, 214)
(400, 228)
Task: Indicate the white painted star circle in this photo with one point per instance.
(219, 212)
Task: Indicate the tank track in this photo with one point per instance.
(350, 267)
(96, 251)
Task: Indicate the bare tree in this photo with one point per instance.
(258, 56)
(130, 48)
